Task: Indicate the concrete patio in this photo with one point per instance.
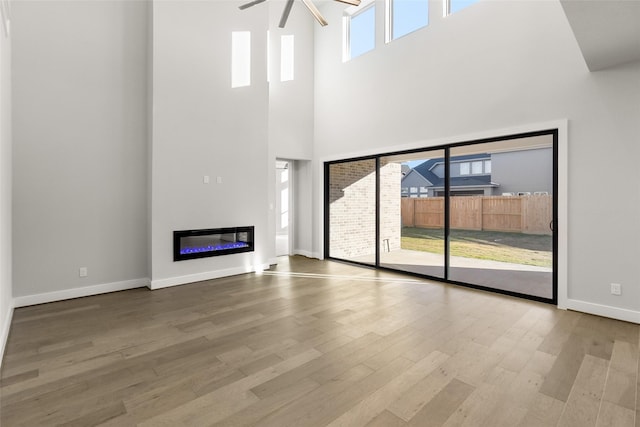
(523, 279)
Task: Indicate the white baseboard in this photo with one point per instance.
(604, 310)
(5, 330)
(207, 275)
(80, 292)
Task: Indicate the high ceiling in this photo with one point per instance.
(607, 31)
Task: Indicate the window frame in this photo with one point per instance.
(388, 22)
(474, 167)
(467, 170)
(446, 7)
(349, 13)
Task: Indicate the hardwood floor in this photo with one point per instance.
(315, 343)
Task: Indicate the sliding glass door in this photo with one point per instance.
(501, 215)
(478, 213)
(351, 199)
(411, 215)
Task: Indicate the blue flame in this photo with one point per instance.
(212, 248)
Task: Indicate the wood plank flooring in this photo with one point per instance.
(315, 343)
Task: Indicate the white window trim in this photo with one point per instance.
(388, 21)
(349, 13)
(446, 8)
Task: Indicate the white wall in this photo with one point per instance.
(6, 295)
(79, 116)
(201, 126)
(291, 102)
(500, 65)
(291, 112)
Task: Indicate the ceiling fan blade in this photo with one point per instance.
(285, 13)
(315, 12)
(352, 2)
(251, 3)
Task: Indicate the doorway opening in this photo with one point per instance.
(283, 216)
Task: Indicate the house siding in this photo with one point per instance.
(523, 171)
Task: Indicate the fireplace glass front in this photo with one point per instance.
(190, 244)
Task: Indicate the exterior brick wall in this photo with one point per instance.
(352, 197)
(390, 204)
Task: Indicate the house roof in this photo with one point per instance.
(425, 168)
(418, 176)
(471, 181)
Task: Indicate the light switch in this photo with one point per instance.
(205, 179)
(219, 180)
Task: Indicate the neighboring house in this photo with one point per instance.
(470, 176)
(415, 185)
(523, 171)
(504, 173)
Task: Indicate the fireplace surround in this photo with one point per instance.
(191, 244)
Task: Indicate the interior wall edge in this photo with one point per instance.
(6, 328)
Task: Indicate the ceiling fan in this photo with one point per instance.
(287, 9)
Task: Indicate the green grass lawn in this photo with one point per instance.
(517, 248)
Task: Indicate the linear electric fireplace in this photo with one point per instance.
(190, 244)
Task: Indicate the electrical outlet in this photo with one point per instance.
(82, 272)
(616, 289)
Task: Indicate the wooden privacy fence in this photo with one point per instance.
(518, 214)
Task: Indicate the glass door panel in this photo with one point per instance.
(412, 212)
(501, 213)
(352, 211)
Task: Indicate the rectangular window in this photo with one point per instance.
(487, 166)
(405, 16)
(452, 6)
(240, 59)
(360, 32)
(476, 168)
(286, 58)
(465, 168)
